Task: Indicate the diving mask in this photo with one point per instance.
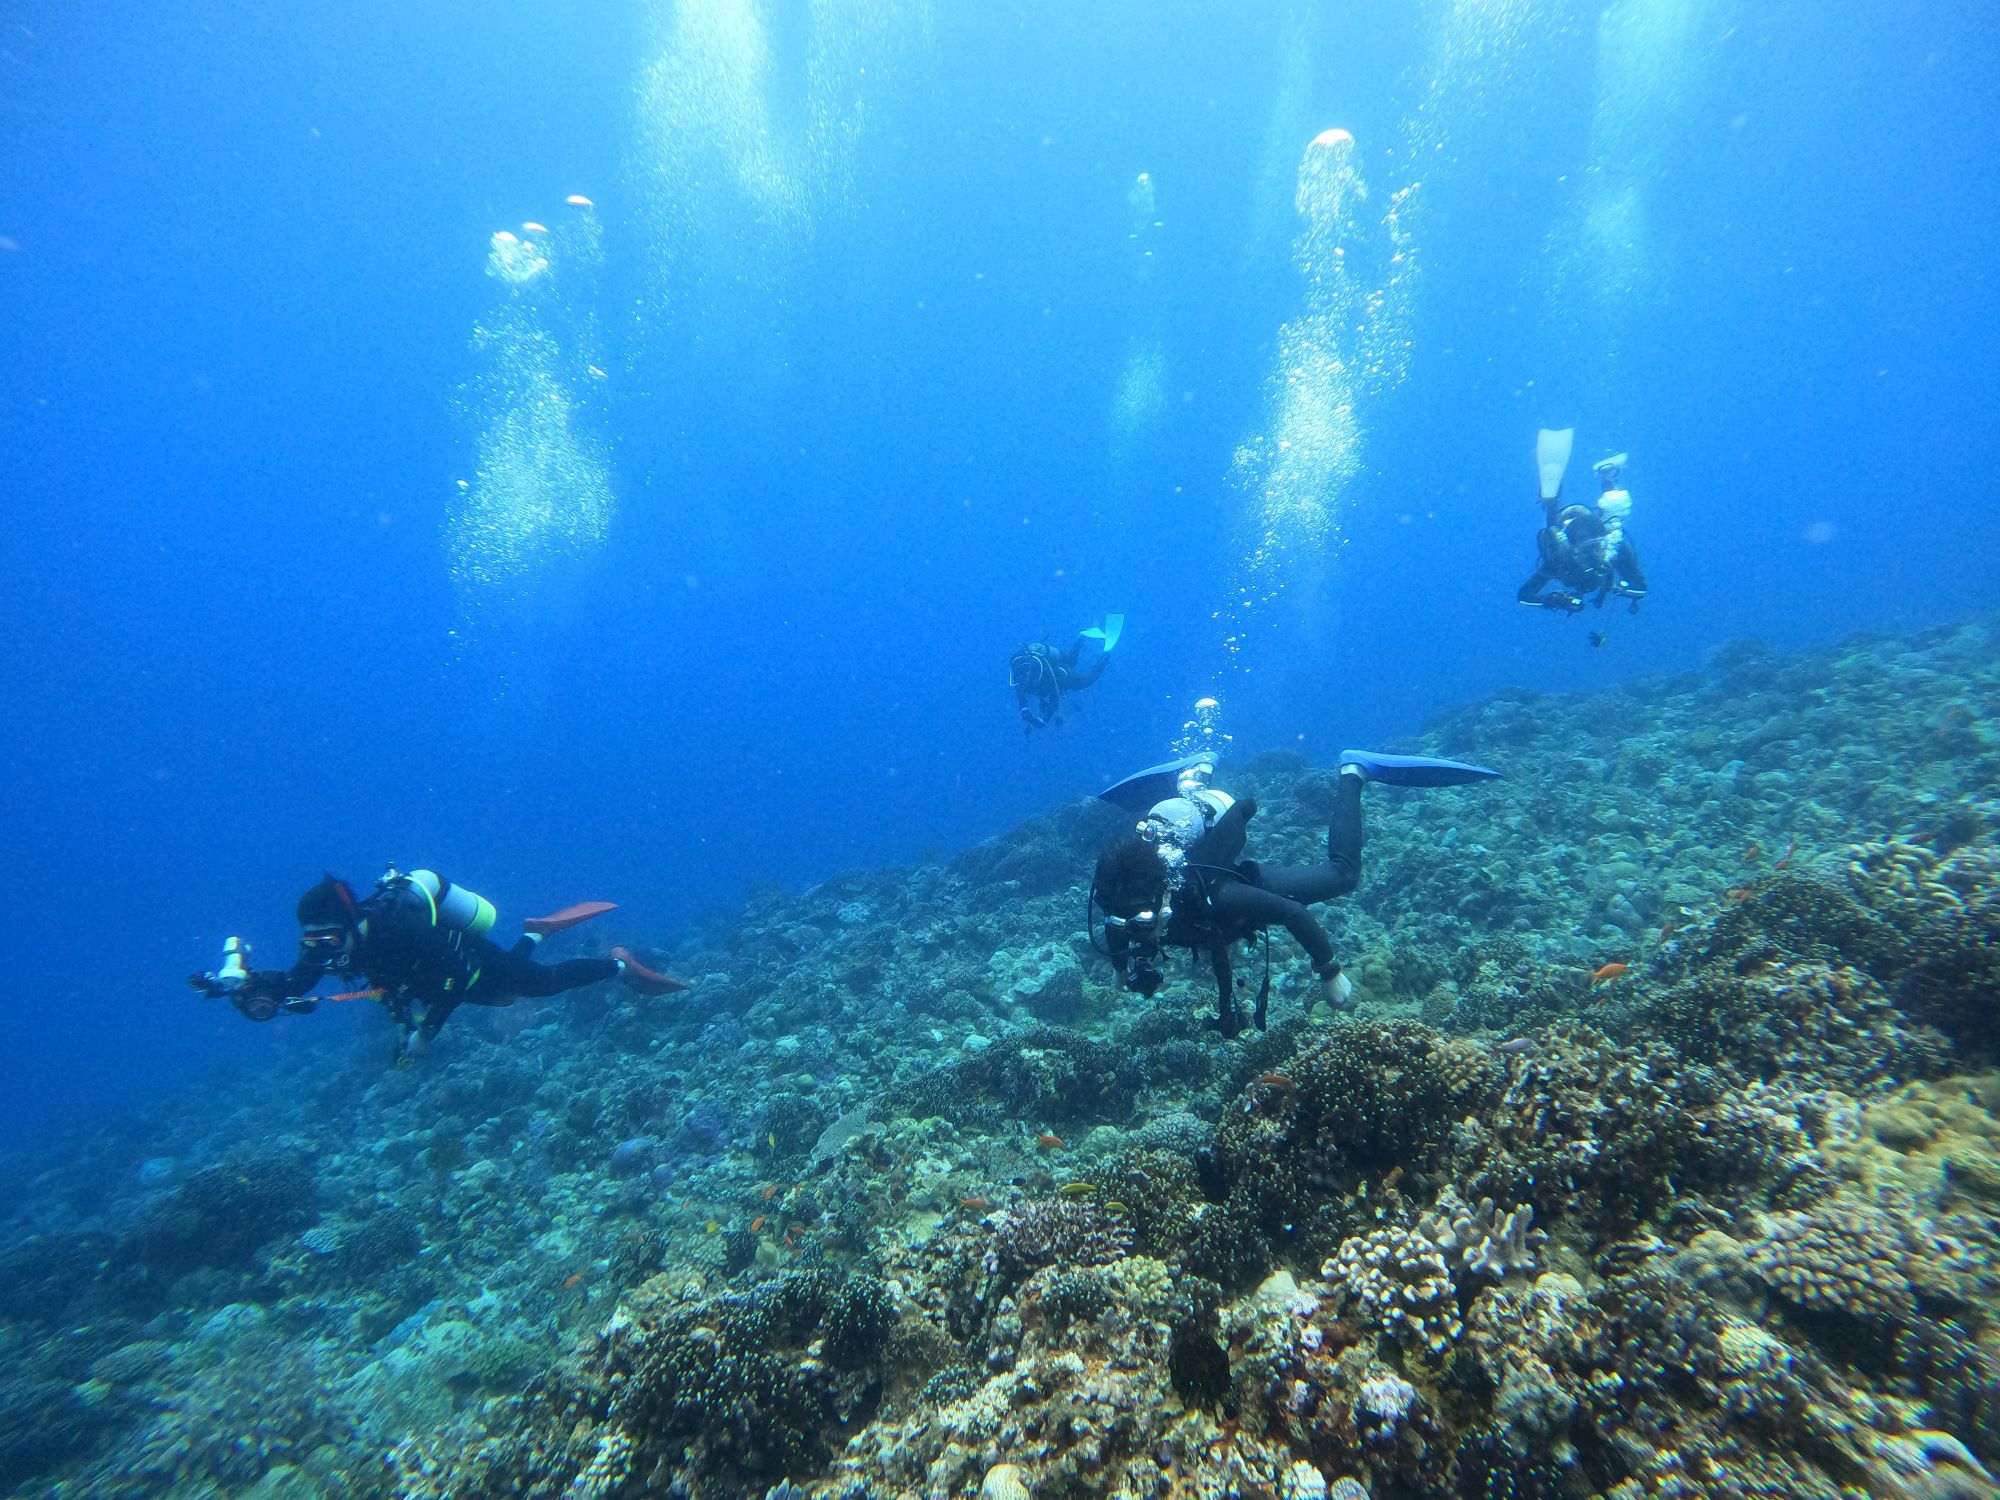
(327, 944)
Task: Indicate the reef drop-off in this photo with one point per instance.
(908, 1201)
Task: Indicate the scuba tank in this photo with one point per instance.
(1178, 821)
(451, 906)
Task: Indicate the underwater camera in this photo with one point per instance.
(229, 978)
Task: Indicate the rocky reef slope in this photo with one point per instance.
(1661, 1157)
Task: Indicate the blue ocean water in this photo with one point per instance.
(899, 369)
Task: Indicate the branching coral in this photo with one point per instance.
(1398, 1281)
(1483, 1240)
(1059, 1231)
(1860, 1259)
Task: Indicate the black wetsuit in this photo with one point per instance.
(1226, 899)
(425, 970)
(1572, 555)
(1041, 675)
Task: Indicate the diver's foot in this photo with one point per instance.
(646, 981)
(1410, 770)
(568, 917)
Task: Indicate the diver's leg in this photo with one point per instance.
(539, 981)
(1308, 884)
(1344, 834)
(1089, 675)
(510, 976)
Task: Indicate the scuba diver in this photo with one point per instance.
(1040, 675)
(1581, 550)
(421, 944)
(1180, 880)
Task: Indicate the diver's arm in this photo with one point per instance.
(1631, 577)
(1560, 599)
(1246, 908)
(303, 975)
(1548, 569)
(267, 992)
(1118, 945)
(1227, 1021)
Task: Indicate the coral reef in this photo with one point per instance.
(1659, 1158)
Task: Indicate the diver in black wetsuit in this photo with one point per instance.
(1041, 675)
(420, 943)
(1181, 881)
(1586, 552)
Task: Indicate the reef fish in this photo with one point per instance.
(1608, 973)
(1048, 1140)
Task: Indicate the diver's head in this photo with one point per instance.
(1131, 878)
(328, 916)
(1029, 667)
(1578, 524)
(1132, 887)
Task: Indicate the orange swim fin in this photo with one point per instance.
(569, 916)
(646, 981)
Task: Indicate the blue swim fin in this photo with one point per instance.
(1414, 770)
(1139, 791)
(1112, 628)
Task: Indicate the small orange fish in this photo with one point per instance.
(757, 1223)
(1794, 849)
(1737, 893)
(1667, 929)
(1755, 851)
(1048, 1140)
(1276, 1080)
(1608, 973)
(770, 1192)
(573, 1282)
(977, 1205)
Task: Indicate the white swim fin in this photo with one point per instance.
(1552, 458)
(1112, 628)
